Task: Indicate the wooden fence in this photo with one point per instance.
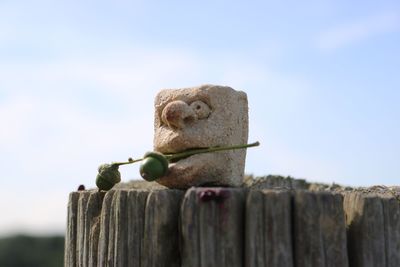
(233, 227)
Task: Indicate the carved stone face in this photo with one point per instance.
(201, 117)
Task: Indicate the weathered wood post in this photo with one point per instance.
(212, 227)
(373, 221)
(319, 229)
(233, 227)
(268, 234)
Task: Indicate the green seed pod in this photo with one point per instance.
(153, 166)
(108, 176)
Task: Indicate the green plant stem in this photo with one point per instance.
(188, 153)
(181, 155)
(126, 162)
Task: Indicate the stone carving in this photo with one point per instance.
(200, 117)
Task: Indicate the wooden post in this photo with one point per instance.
(319, 229)
(161, 229)
(391, 213)
(373, 225)
(105, 229)
(70, 235)
(123, 228)
(212, 225)
(232, 227)
(91, 228)
(268, 229)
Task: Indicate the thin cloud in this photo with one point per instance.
(358, 31)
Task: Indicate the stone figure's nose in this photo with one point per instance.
(177, 114)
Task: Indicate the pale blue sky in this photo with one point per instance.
(78, 79)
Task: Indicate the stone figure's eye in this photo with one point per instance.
(201, 109)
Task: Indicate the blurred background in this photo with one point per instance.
(78, 80)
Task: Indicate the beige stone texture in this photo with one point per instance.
(200, 117)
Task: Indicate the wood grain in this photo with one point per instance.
(161, 229)
(212, 227)
(373, 223)
(319, 229)
(268, 229)
(70, 235)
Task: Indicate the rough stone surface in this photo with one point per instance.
(202, 117)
